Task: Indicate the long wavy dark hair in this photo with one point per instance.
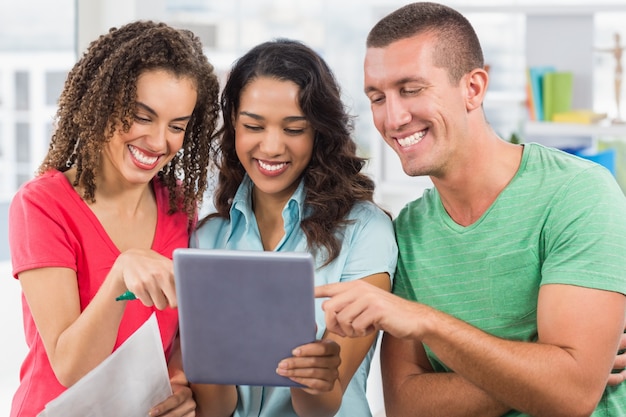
(100, 95)
(333, 180)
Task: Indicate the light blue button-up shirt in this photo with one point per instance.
(368, 247)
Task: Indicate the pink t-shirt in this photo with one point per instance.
(51, 226)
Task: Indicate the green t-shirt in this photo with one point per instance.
(561, 220)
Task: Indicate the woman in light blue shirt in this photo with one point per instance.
(290, 180)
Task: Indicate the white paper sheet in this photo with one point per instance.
(128, 383)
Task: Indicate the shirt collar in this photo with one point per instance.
(293, 212)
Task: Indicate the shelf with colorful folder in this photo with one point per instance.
(549, 92)
(573, 130)
(604, 142)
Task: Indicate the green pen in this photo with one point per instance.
(128, 295)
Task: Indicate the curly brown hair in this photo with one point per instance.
(333, 180)
(100, 95)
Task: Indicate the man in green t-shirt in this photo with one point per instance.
(511, 280)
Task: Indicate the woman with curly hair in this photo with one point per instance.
(290, 180)
(117, 192)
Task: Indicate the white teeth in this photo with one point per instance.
(412, 140)
(271, 167)
(147, 160)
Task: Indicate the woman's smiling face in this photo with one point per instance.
(165, 103)
(273, 139)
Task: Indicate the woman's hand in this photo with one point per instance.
(314, 365)
(179, 404)
(149, 275)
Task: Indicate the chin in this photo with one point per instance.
(412, 171)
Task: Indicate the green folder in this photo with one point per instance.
(557, 93)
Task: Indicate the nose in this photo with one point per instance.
(397, 113)
(272, 143)
(158, 137)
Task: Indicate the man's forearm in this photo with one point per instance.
(510, 371)
(440, 394)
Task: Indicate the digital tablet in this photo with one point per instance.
(242, 312)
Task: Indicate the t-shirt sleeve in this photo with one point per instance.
(585, 240)
(372, 246)
(402, 286)
(39, 234)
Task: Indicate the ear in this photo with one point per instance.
(476, 83)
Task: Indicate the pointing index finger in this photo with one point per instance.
(327, 290)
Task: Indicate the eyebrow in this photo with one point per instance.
(154, 113)
(400, 82)
(259, 117)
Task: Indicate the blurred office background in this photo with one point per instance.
(41, 39)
